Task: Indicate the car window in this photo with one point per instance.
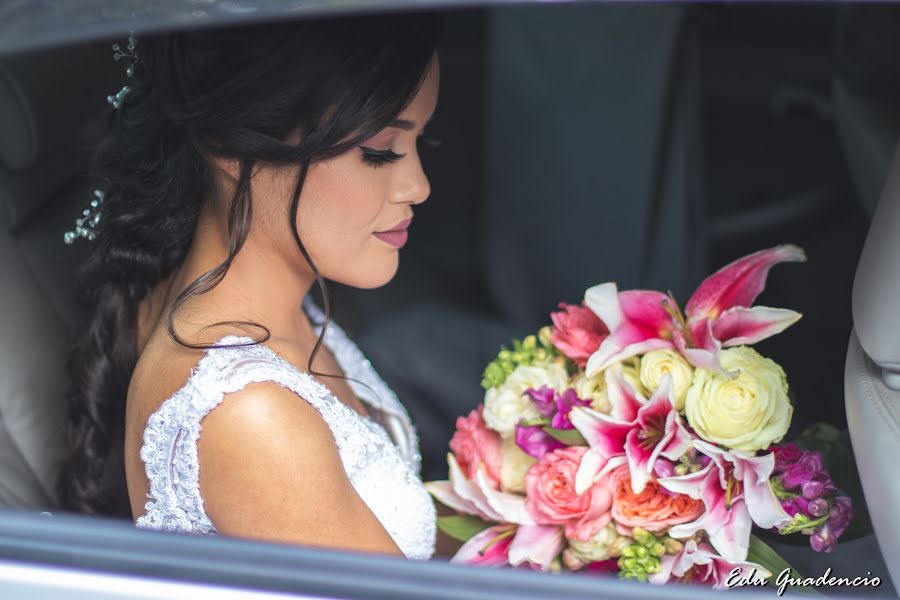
(580, 142)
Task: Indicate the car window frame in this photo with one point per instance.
(117, 548)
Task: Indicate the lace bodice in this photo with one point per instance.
(381, 459)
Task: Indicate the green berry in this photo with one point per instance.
(544, 335)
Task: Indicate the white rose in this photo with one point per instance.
(657, 363)
(631, 369)
(604, 545)
(507, 404)
(593, 389)
(514, 463)
(748, 412)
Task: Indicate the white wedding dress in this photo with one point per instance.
(381, 457)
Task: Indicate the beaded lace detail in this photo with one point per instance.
(381, 458)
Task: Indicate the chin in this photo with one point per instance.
(374, 276)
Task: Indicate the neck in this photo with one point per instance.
(262, 286)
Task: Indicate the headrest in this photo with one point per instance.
(48, 100)
(876, 289)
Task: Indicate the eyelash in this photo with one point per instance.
(377, 158)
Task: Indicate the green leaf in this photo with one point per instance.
(763, 555)
(540, 421)
(461, 527)
(569, 437)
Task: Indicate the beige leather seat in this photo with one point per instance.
(872, 377)
(49, 104)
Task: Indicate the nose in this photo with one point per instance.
(412, 186)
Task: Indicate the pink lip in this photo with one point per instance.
(397, 235)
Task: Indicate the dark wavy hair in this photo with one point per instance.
(244, 93)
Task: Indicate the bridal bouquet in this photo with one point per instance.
(639, 437)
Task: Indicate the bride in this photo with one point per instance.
(245, 167)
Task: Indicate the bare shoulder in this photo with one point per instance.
(270, 469)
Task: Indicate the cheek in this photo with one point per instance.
(340, 206)
(338, 203)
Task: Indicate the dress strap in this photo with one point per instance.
(169, 449)
(237, 362)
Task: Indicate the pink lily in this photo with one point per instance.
(477, 497)
(488, 548)
(532, 543)
(753, 472)
(536, 545)
(726, 521)
(637, 320)
(717, 315)
(698, 563)
(735, 489)
(642, 431)
(508, 545)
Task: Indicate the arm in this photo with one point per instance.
(270, 470)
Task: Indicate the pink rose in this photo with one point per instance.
(577, 332)
(551, 497)
(474, 443)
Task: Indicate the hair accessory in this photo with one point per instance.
(129, 54)
(86, 224)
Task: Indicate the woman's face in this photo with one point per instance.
(355, 209)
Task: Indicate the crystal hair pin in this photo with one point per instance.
(129, 53)
(86, 224)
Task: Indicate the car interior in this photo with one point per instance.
(681, 136)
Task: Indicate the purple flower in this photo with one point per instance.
(565, 402)
(785, 456)
(702, 460)
(818, 507)
(557, 406)
(662, 468)
(821, 543)
(826, 537)
(841, 515)
(536, 442)
(804, 469)
(812, 489)
(543, 400)
(809, 496)
(603, 566)
(796, 506)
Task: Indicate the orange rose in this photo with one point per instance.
(655, 508)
